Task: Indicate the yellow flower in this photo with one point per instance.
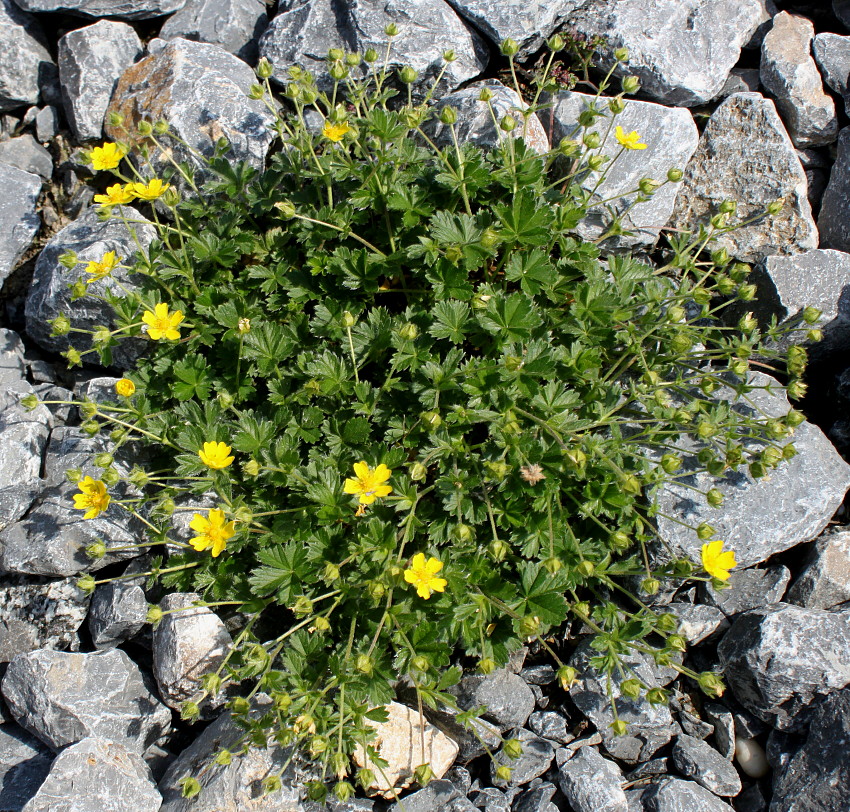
(335, 132)
(216, 455)
(116, 195)
(213, 531)
(161, 323)
(93, 498)
(628, 140)
(368, 485)
(99, 270)
(422, 574)
(716, 562)
(151, 190)
(125, 387)
(107, 157)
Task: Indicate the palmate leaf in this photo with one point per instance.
(282, 571)
(541, 594)
(532, 269)
(512, 318)
(450, 318)
(524, 222)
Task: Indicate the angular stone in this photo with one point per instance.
(123, 9)
(507, 698)
(778, 659)
(118, 612)
(24, 59)
(235, 25)
(433, 798)
(681, 50)
(832, 54)
(748, 589)
(741, 80)
(47, 123)
(36, 614)
(50, 296)
(63, 698)
(817, 775)
(12, 367)
(550, 725)
(472, 741)
(649, 727)
(24, 764)
(591, 783)
(19, 220)
(698, 622)
(233, 787)
(26, 154)
(676, 795)
(303, 31)
(528, 24)
(745, 155)
(696, 759)
(758, 518)
(833, 223)
(724, 727)
(841, 8)
(23, 438)
(91, 60)
(97, 775)
(475, 121)
(537, 755)
(671, 138)
(202, 92)
(790, 75)
(824, 580)
(188, 642)
(538, 799)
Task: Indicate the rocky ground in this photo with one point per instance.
(751, 98)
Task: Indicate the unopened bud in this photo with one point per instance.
(448, 115)
(408, 75)
(265, 69)
(509, 47)
(630, 84)
(674, 175)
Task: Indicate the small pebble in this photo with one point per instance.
(751, 758)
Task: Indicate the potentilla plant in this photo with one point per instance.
(432, 420)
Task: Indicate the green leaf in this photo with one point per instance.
(450, 317)
(525, 222)
(512, 318)
(193, 380)
(532, 269)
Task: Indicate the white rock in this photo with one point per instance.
(751, 758)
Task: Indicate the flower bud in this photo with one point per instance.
(161, 127)
(86, 583)
(774, 208)
(432, 420)
(365, 777)
(657, 696)
(630, 84)
(674, 175)
(338, 71)
(566, 675)
(343, 790)
(154, 614)
(581, 609)
(811, 315)
(596, 162)
(407, 75)
(391, 30)
(370, 56)
(509, 47)
(78, 290)
(408, 331)
(728, 207)
(265, 69)
(103, 460)
(286, 208)
(677, 642)
(448, 115)
(498, 549)
(223, 758)
(720, 220)
(618, 727)
(647, 186)
(418, 472)
(449, 55)
(631, 688)
(616, 105)
(670, 463)
(555, 43)
(508, 124)
(592, 140)
(486, 665)
(568, 147)
(797, 389)
(575, 457)
(585, 568)
(503, 773)
(711, 683)
(60, 326)
(553, 565)
(650, 586)
(190, 711)
(619, 540)
(512, 748)
(462, 532)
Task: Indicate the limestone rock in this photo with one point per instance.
(25, 153)
(438, 795)
(671, 138)
(509, 701)
(303, 31)
(779, 659)
(833, 223)
(832, 55)
(123, 9)
(235, 25)
(63, 698)
(758, 518)
(745, 155)
(681, 50)
(700, 761)
(748, 589)
(399, 741)
(50, 296)
(591, 783)
(118, 612)
(698, 622)
(202, 92)
(824, 580)
(90, 61)
(24, 764)
(676, 795)
(97, 775)
(790, 75)
(12, 367)
(19, 220)
(47, 123)
(24, 59)
(537, 755)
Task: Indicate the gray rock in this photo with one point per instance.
(508, 699)
(748, 589)
(49, 295)
(97, 775)
(759, 518)
(833, 224)
(526, 23)
(537, 756)
(475, 120)
(790, 75)
(539, 674)
(63, 698)
(681, 50)
(649, 727)
(779, 658)
(751, 800)
(303, 31)
(188, 642)
(550, 725)
(12, 367)
(123, 9)
(649, 769)
(23, 437)
(671, 138)
(233, 787)
(25, 153)
(24, 764)
(118, 613)
(696, 759)
(473, 740)
(460, 777)
(432, 798)
(741, 80)
(841, 8)
(591, 783)
(538, 799)
(676, 795)
(91, 60)
(723, 721)
(36, 614)
(692, 724)
(766, 15)
(832, 54)
(235, 25)
(19, 220)
(817, 776)
(46, 123)
(698, 622)
(824, 580)
(488, 799)
(24, 59)
(202, 92)
(745, 155)
(51, 396)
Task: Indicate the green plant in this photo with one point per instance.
(433, 419)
